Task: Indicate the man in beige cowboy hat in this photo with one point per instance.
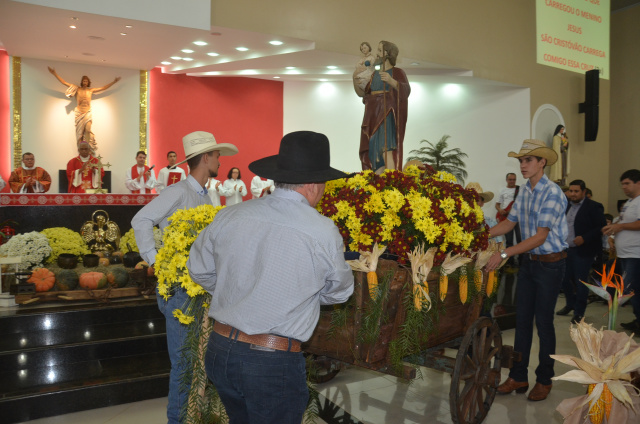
(540, 209)
(202, 155)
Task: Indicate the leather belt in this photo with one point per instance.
(380, 91)
(265, 340)
(549, 257)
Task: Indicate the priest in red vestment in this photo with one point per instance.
(140, 178)
(385, 101)
(80, 172)
(29, 178)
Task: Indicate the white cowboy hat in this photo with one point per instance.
(538, 148)
(486, 195)
(199, 142)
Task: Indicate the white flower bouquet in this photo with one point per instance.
(32, 247)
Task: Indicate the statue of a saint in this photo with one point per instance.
(101, 234)
(385, 99)
(83, 114)
(558, 171)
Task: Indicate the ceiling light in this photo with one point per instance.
(291, 67)
(276, 43)
(200, 43)
(242, 49)
(128, 26)
(176, 58)
(334, 72)
(276, 77)
(73, 26)
(123, 33)
(332, 67)
(414, 64)
(164, 62)
(213, 54)
(293, 72)
(248, 72)
(186, 51)
(188, 59)
(324, 79)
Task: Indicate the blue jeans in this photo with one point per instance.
(576, 293)
(257, 386)
(631, 273)
(537, 290)
(176, 334)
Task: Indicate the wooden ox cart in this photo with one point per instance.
(475, 371)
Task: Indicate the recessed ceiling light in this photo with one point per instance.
(164, 62)
(293, 72)
(334, 72)
(276, 77)
(291, 67)
(213, 54)
(242, 49)
(324, 79)
(200, 43)
(73, 26)
(248, 72)
(188, 59)
(123, 33)
(332, 67)
(128, 26)
(176, 58)
(186, 51)
(414, 63)
(276, 43)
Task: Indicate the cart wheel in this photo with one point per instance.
(320, 369)
(477, 373)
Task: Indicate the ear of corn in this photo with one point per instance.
(444, 286)
(372, 280)
(463, 286)
(477, 279)
(417, 297)
(490, 282)
(602, 406)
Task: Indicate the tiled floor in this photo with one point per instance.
(377, 398)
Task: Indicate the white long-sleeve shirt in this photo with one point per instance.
(236, 191)
(215, 192)
(258, 185)
(134, 185)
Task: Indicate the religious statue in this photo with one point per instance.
(558, 171)
(364, 69)
(385, 99)
(84, 118)
(101, 234)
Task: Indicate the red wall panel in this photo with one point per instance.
(6, 159)
(246, 112)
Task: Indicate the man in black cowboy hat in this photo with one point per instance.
(269, 264)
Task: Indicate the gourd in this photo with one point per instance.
(43, 279)
(103, 262)
(93, 280)
(66, 279)
(117, 277)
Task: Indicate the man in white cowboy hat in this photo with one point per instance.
(540, 209)
(202, 155)
(269, 264)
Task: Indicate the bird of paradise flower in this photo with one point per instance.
(615, 281)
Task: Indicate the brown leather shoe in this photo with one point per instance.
(510, 385)
(539, 392)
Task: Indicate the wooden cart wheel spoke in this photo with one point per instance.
(476, 372)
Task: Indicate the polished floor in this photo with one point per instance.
(372, 397)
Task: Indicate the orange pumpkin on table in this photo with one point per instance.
(93, 280)
(103, 262)
(43, 279)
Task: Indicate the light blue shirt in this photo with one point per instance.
(185, 194)
(544, 206)
(269, 264)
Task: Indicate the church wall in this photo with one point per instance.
(246, 112)
(625, 89)
(482, 120)
(48, 127)
(495, 39)
(5, 118)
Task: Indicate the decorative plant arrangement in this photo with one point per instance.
(64, 240)
(615, 281)
(32, 247)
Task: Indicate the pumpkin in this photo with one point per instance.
(117, 253)
(43, 279)
(93, 280)
(103, 262)
(66, 279)
(142, 265)
(117, 277)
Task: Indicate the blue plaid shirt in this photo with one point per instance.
(544, 206)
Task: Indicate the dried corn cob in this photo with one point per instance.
(372, 280)
(477, 279)
(417, 297)
(490, 282)
(602, 406)
(463, 286)
(444, 286)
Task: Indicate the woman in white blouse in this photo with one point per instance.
(234, 188)
(215, 189)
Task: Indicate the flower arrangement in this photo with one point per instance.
(64, 240)
(33, 247)
(615, 281)
(404, 210)
(129, 239)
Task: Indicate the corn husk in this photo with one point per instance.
(421, 264)
(605, 357)
(368, 262)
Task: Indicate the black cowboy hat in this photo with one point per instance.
(303, 158)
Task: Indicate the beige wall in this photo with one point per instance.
(493, 38)
(625, 89)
